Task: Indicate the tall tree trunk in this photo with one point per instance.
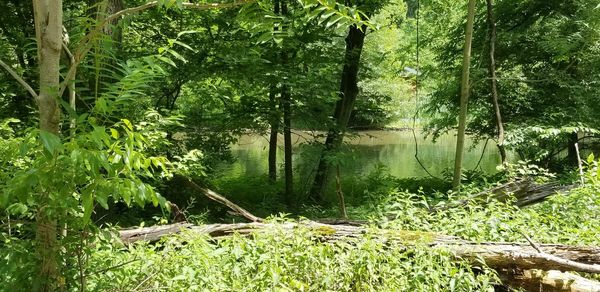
(274, 118)
(286, 101)
(493, 81)
(274, 131)
(464, 97)
(343, 108)
(287, 141)
(48, 17)
(113, 29)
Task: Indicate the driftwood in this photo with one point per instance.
(549, 281)
(497, 255)
(526, 191)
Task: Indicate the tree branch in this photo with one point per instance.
(220, 199)
(19, 79)
(86, 41)
(573, 265)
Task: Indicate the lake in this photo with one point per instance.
(365, 151)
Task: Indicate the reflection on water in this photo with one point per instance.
(365, 151)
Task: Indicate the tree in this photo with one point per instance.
(545, 62)
(48, 21)
(464, 97)
(343, 108)
(493, 78)
(347, 94)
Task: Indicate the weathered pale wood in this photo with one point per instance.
(548, 281)
(525, 191)
(497, 255)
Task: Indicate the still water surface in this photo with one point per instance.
(366, 151)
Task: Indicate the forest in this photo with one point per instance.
(299, 145)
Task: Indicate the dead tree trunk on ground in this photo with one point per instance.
(550, 281)
(526, 191)
(498, 255)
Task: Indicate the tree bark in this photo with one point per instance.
(287, 141)
(274, 131)
(343, 108)
(498, 255)
(526, 192)
(493, 80)
(555, 281)
(286, 101)
(464, 98)
(48, 17)
(571, 150)
(274, 117)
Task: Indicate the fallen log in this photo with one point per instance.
(550, 281)
(525, 191)
(497, 255)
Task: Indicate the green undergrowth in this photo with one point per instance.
(300, 260)
(283, 261)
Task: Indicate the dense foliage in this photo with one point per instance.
(125, 113)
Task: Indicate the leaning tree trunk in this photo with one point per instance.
(48, 17)
(493, 80)
(464, 98)
(343, 108)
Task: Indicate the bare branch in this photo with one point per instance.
(533, 244)
(69, 54)
(19, 79)
(86, 42)
(570, 264)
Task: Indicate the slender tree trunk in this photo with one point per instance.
(287, 141)
(464, 98)
(571, 150)
(340, 193)
(274, 118)
(48, 17)
(274, 123)
(286, 101)
(493, 81)
(343, 108)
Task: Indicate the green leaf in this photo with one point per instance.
(88, 205)
(177, 55)
(167, 60)
(17, 208)
(590, 158)
(102, 199)
(128, 124)
(50, 141)
(265, 37)
(187, 32)
(333, 21)
(114, 133)
(126, 192)
(185, 45)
